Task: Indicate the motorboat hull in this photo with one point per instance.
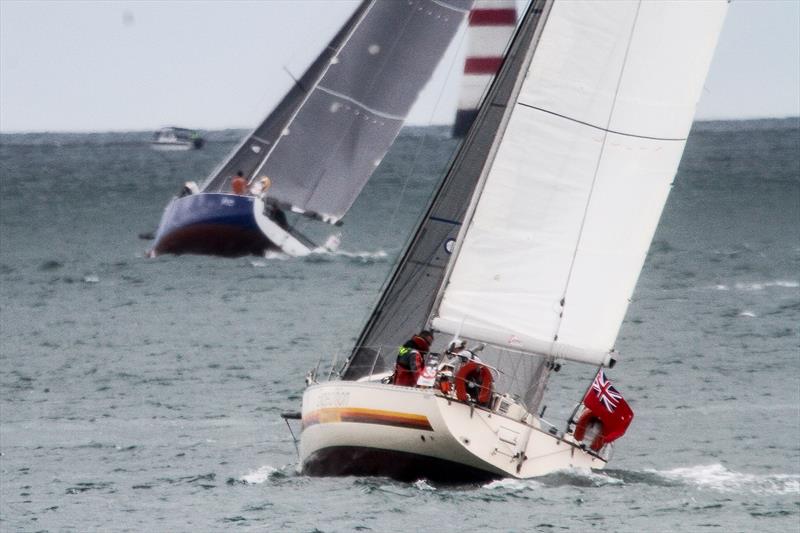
(173, 146)
(363, 428)
(210, 224)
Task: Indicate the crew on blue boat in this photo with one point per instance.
(239, 184)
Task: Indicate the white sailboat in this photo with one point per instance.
(532, 245)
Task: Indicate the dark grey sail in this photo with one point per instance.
(410, 292)
(250, 153)
(350, 118)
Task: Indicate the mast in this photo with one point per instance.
(408, 296)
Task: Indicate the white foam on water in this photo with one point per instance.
(598, 478)
(319, 253)
(749, 314)
(258, 476)
(269, 256)
(91, 279)
(380, 254)
(717, 477)
(513, 484)
(757, 285)
(421, 484)
(760, 286)
(273, 255)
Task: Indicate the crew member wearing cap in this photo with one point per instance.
(410, 359)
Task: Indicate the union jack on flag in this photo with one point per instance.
(607, 394)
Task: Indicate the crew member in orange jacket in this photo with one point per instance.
(239, 184)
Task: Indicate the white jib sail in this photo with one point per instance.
(570, 203)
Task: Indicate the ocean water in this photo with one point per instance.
(144, 395)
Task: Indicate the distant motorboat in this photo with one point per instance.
(172, 139)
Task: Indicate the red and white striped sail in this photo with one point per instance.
(491, 25)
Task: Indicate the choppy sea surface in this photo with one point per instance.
(144, 395)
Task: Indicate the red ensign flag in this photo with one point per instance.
(609, 406)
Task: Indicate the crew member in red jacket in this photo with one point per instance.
(239, 184)
(411, 359)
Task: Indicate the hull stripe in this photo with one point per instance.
(332, 415)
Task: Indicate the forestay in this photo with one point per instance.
(560, 229)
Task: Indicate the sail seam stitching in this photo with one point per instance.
(681, 139)
(448, 6)
(359, 104)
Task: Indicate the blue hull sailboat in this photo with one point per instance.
(319, 146)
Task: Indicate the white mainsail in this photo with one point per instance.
(567, 209)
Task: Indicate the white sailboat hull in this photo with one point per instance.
(357, 428)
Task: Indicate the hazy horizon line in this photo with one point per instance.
(249, 128)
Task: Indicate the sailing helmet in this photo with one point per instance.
(456, 344)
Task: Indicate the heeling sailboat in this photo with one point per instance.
(322, 142)
(567, 168)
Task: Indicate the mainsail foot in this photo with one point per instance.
(363, 428)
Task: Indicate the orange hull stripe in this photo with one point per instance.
(332, 415)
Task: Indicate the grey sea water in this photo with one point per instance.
(144, 395)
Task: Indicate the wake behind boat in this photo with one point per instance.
(323, 141)
(530, 250)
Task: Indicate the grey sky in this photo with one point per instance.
(129, 65)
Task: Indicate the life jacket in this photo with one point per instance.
(407, 357)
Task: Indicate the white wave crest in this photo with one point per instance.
(569, 476)
(374, 256)
(757, 285)
(258, 476)
(269, 256)
(513, 484)
(421, 484)
(760, 286)
(323, 255)
(748, 314)
(717, 477)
